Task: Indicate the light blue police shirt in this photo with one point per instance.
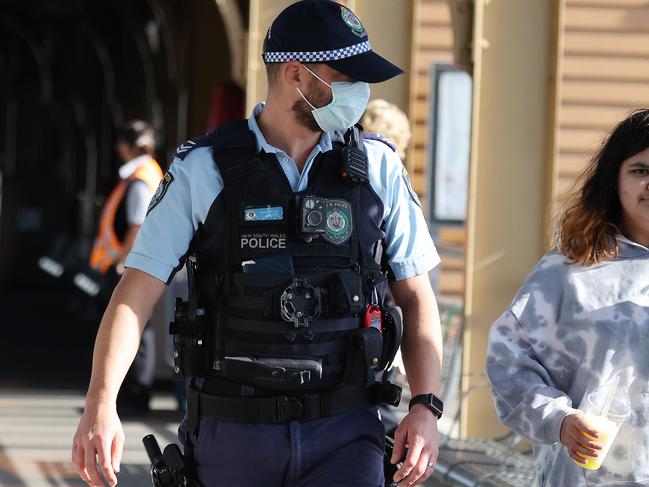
(167, 231)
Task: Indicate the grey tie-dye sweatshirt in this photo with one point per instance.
(569, 330)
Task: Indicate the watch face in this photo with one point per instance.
(431, 401)
(437, 404)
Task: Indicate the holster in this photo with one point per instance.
(191, 339)
(190, 330)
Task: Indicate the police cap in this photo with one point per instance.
(323, 31)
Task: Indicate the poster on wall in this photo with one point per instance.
(450, 142)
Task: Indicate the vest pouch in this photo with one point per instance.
(363, 356)
(392, 334)
(278, 374)
(346, 293)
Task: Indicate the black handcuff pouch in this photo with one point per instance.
(363, 356)
(191, 351)
(190, 330)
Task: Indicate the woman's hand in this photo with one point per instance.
(579, 438)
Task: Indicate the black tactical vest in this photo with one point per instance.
(283, 279)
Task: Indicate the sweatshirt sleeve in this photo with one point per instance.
(525, 397)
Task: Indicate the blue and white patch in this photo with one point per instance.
(165, 182)
(413, 194)
(338, 226)
(270, 213)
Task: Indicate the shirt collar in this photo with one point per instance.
(127, 169)
(324, 144)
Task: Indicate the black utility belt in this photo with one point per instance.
(282, 409)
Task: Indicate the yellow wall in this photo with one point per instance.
(432, 43)
(262, 14)
(606, 75)
(391, 40)
(514, 100)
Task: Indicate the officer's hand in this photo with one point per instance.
(419, 431)
(98, 442)
(573, 435)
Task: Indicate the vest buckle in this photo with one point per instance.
(288, 409)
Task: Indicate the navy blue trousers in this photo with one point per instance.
(342, 450)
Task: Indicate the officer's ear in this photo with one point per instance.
(293, 74)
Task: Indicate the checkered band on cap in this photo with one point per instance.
(317, 56)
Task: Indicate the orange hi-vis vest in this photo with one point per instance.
(107, 248)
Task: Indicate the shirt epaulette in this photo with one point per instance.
(186, 147)
(380, 138)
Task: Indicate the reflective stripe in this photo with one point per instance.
(317, 56)
(107, 248)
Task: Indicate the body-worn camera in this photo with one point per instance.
(312, 211)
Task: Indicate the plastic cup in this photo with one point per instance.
(606, 423)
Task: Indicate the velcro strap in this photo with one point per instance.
(280, 327)
(250, 302)
(186, 328)
(259, 280)
(237, 347)
(340, 292)
(282, 409)
(252, 280)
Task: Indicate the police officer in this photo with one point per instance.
(294, 226)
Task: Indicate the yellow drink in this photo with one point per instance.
(607, 430)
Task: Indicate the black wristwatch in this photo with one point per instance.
(431, 401)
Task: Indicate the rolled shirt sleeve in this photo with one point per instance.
(409, 247)
(175, 212)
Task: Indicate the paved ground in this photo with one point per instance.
(36, 429)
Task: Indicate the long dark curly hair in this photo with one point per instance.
(593, 215)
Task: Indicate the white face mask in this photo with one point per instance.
(346, 107)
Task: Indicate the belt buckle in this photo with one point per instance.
(288, 408)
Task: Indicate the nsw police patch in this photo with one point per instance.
(339, 226)
(167, 179)
(406, 178)
(353, 22)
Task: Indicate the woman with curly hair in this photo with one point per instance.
(581, 322)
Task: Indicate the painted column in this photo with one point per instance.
(513, 151)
